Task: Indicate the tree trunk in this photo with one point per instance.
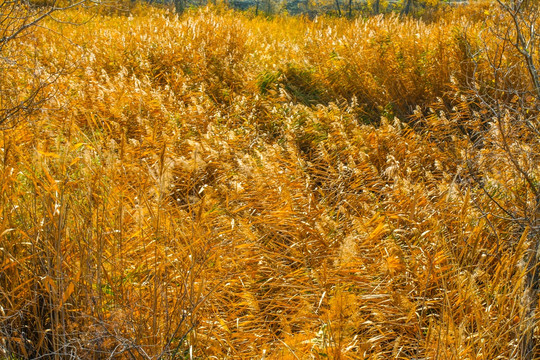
(376, 6)
(338, 8)
(179, 6)
(407, 7)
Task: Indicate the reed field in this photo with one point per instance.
(227, 186)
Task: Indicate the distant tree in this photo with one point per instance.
(338, 8)
(376, 6)
(407, 7)
(179, 6)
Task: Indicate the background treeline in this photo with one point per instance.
(312, 8)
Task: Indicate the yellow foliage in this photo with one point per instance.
(224, 186)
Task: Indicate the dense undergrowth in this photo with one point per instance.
(219, 186)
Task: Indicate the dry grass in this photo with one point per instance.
(222, 186)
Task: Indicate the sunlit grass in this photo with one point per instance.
(215, 185)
